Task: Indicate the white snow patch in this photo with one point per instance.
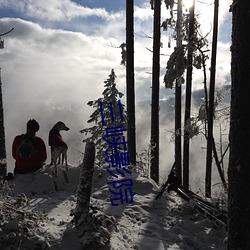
(145, 224)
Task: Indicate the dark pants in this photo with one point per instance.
(25, 171)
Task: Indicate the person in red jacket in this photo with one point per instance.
(29, 150)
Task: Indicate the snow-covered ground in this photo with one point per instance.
(165, 224)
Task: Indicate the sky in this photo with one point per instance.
(61, 51)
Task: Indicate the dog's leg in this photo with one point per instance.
(59, 159)
(55, 158)
(66, 161)
(56, 170)
(63, 157)
(51, 155)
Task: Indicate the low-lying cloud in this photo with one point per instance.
(51, 69)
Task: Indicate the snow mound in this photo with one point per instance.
(145, 224)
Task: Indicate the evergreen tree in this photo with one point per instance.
(3, 161)
(130, 80)
(210, 117)
(187, 110)
(238, 170)
(97, 132)
(154, 167)
(3, 164)
(187, 54)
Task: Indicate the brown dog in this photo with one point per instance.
(57, 145)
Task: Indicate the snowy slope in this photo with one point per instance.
(145, 224)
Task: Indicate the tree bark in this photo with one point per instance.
(188, 97)
(178, 158)
(83, 192)
(211, 102)
(154, 169)
(239, 159)
(131, 127)
(218, 164)
(93, 228)
(3, 161)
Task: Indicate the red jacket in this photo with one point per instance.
(55, 139)
(37, 159)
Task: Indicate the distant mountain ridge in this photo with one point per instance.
(167, 106)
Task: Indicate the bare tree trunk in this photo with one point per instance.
(218, 164)
(211, 102)
(81, 215)
(3, 161)
(178, 158)
(154, 170)
(92, 227)
(131, 128)
(239, 159)
(188, 98)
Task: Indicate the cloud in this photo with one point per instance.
(205, 13)
(53, 65)
(47, 71)
(48, 61)
(50, 75)
(55, 10)
(143, 12)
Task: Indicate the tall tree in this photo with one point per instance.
(131, 128)
(239, 159)
(176, 66)
(178, 155)
(188, 96)
(97, 132)
(210, 139)
(3, 162)
(154, 169)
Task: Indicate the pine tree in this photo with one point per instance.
(97, 132)
(188, 53)
(191, 26)
(130, 80)
(210, 119)
(3, 161)
(178, 93)
(3, 164)
(154, 168)
(238, 169)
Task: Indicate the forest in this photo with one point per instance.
(206, 127)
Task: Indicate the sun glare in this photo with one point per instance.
(188, 3)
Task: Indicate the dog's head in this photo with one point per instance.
(61, 126)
